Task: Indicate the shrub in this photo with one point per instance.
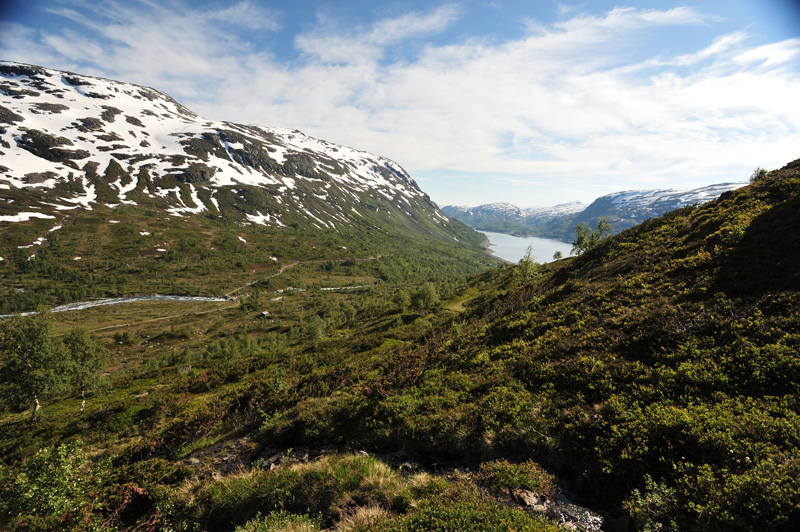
(54, 490)
(758, 174)
(501, 476)
(653, 509)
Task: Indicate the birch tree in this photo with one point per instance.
(85, 357)
(33, 362)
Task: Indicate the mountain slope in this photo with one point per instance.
(659, 369)
(657, 374)
(82, 141)
(623, 209)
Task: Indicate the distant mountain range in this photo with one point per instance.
(77, 142)
(623, 209)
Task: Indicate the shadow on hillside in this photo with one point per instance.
(767, 258)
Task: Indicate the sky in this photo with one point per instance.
(533, 102)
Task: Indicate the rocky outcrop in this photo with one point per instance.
(570, 515)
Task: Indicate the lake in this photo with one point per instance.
(513, 248)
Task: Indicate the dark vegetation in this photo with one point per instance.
(656, 375)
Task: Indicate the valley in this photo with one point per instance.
(364, 365)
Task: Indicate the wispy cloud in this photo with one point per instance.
(575, 99)
(779, 53)
(247, 14)
(331, 43)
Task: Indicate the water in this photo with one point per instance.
(513, 248)
(80, 305)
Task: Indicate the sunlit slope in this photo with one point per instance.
(669, 351)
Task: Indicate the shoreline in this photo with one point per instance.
(486, 245)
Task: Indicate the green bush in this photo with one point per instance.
(653, 510)
(501, 476)
(758, 174)
(57, 489)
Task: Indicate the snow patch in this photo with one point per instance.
(263, 219)
(38, 242)
(23, 216)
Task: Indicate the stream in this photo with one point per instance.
(81, 305)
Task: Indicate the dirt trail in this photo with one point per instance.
(251, 283)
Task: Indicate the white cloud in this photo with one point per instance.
(631, 18)
(565, 9)
(773, 54)
(247, 14)
(721, 45)
(333, 44)
(414, 24)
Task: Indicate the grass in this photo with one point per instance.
(355, 493)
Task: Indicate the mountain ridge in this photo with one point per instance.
(624, 209)
(91, 140)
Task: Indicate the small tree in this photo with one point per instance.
(402, 300)
(758, 174)
(527, 268)
(557, 255)
(586, 238)
(33, 363)
(86, 359)
(425, 298)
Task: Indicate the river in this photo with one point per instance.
(81, 305)
(513, 248)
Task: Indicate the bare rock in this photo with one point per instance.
(568, 514)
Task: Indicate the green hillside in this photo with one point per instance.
(655, 376)
(127, 250)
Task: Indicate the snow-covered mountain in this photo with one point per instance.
(642, 204)
(624, 209)
(75, 141)
(511, 217)
(544, 214)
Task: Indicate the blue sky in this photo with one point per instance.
(530, 102)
